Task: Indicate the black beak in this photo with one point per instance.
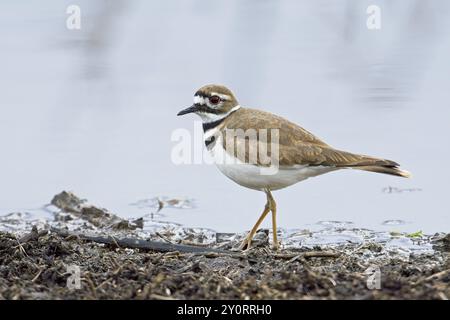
(191, 109)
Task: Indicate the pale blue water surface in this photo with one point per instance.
(93, 110)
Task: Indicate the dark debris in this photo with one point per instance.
(36, 267)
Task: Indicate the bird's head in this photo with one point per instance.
(212, 102)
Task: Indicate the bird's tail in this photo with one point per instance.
(372, 164)
(343, 159)
(392, 170)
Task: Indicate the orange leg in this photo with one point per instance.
(270, 206)
(248, 240)
(273, 208)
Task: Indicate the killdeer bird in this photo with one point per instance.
(297, 153)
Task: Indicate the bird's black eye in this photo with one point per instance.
(214, 99)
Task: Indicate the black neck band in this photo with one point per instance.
(213, 124)
(210, 125)
(209, 141)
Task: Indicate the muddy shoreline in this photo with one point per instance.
(106, 257)
(40, 269)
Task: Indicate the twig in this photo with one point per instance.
(442, 296)
(308, 254)
(21, 248)
(159, 246)
(101, 284)
(321, 254)
(37, 275)
(134, 243)
(160, 297)
(91, 284)
(164, 238)
(115, 241)
(435, 276)
(192, 243)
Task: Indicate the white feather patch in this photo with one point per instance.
(199, 100)
(211, 117)
(250, 176)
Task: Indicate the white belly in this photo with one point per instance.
(251, 176)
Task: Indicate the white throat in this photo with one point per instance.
(211, 117)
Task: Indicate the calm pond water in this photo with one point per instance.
(93, 110)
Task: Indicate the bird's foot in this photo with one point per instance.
(276, 246)
(245, 245)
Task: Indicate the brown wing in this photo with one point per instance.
(306, 154)
(245, 119)
(296, 145)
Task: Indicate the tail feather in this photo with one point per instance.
(392, 170)
(342, 159)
